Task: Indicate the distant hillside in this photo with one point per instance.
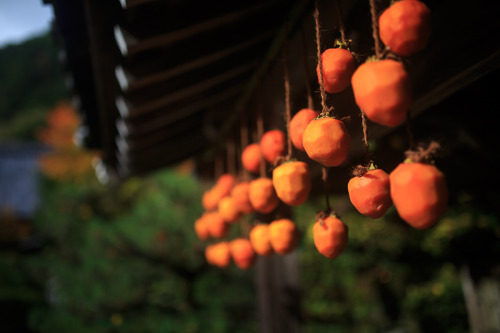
(31, 82)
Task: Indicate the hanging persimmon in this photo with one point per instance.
(330, 236)
(272, 145)
(370, 192)
(216, 224)
(210, 199)
(242, 253)
(338, 65)
(419, 191)
(298, 125)
(262, 195)
(228, 210)
(201, 227)
(405, 27)
(327, 141)
(259, 238)
(239, 193)
(218, 254)
(283, 235)
(382, 91)
(251, 157)
(292, 182)
(224, 184)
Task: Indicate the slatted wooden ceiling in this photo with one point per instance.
(162, 81)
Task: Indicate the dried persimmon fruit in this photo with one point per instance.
(283, 235)
(298, 125)
(272, 145)
(338, 65)
(239, 193)
(220, 254)
(201, 227)
(216, 224)
(370, 193)
(292, 182)
(330, 236)
(228, 210)
(405, 27)
(262, 195)
(259, 238)
(382, 91)
(327, 141)
(251, 157)
(419, 193)
(242, 253)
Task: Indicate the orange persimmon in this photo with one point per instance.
(405, 27)
(382, 91)
(216, 224)
(283, 235)
(259, 237)
(292, 182)
(370, 193)
(330, 236)
(224, 184)
(272, 145)
(218, 254)
(201, 227)
(239, 193)
(210, 199)
(327, 141)
(298, 125)
(251, 157)
(262, 195)
(419, 193)
(242, 253)
(338, 65)
(228, 210)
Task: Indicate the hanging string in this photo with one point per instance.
(287, 100)
(325, 110)
(341, 24)
(310, 104)
(326, 190)
(243, 142)
(260, 131)
(378, 45)
(231, 155)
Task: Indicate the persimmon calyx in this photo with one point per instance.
(342, 44)
(360, 170)
(423, 155)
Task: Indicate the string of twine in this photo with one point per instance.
(287, 101)
(310, 104)
(260, 132)
(325, 109)
(376, 38)
(231, 155)
(243, 142)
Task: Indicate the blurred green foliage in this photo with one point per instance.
(31, 82)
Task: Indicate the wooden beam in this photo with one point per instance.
(130, 83)
(126, 128)
(131, 45)
(127, 110)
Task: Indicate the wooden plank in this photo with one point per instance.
(130, 45)
(143, 128)
(129, 83)
(127, 110)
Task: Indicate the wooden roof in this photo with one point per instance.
(162, 81)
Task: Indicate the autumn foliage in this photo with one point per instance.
(66, 161)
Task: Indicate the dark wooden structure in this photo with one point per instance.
(158, 82)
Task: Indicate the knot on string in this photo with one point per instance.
(360, 170)
(423, 155)
(280, 160)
